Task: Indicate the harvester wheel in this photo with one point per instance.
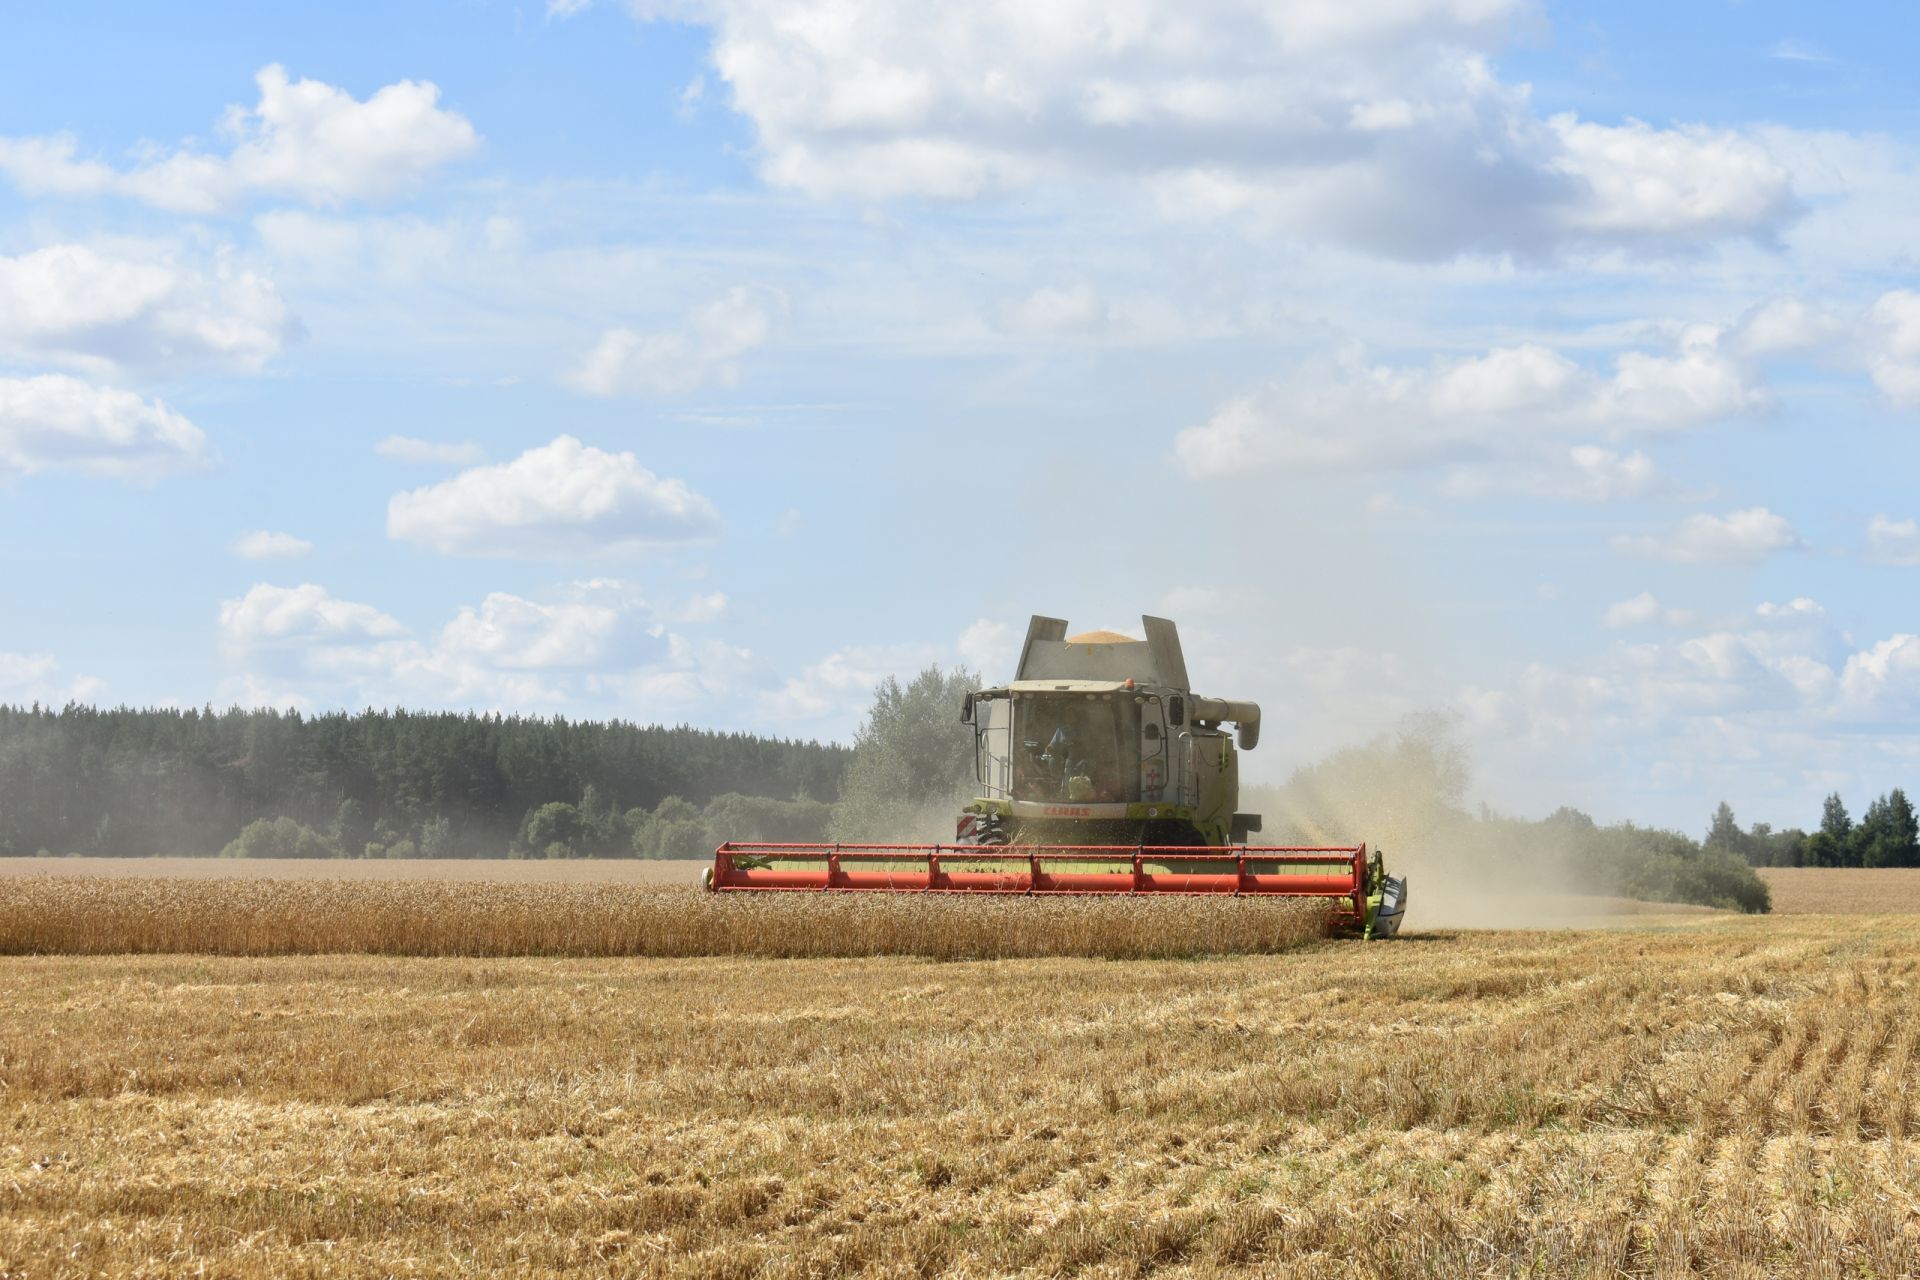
(706, 879)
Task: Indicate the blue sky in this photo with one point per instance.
(1556, 366)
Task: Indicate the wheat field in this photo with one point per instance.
(650, 871)
(51, 915)
(1826, 890)
(1693, 1094)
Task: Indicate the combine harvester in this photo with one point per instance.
(1101, 773)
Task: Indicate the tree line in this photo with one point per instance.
(1887, 835)
(137, 782)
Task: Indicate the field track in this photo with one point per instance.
(1701, 1094)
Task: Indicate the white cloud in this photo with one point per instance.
(1891, 541)
(74, 304)
(1524, 379)
(1700, 384)
(1377, 125)
(561, 498)
(1073, 311)
(465, 453)
(1786, 326)
(1782, 704)
(1896, 364)
(625, 362)
(1642, 610)
(1349, 414)
(26, 678)
(1685, 183)
(511, 632)
(1740, 537)
(1883, 680)
(269, 615)
(303, 139)
(54, 422)
(1602, 475)
(599, 645)
(265, 545)
(988, 648)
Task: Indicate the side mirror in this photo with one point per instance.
(966, 709)
(1176, 710)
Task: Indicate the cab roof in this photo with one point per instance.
(1065, 686)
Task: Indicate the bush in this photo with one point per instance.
(281, 838)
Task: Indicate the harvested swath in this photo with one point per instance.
(70, 916)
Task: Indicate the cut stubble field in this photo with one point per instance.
(1690, 1094)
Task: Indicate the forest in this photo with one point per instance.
(130, 783)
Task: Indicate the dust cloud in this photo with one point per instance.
(1404, 794)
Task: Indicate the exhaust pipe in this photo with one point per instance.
(1246, 715)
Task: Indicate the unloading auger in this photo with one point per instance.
(1100, 772)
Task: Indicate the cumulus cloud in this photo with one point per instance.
(1786, 326)
(625, 362)
(1382, 126)
(1602, 475)
(263, 544)
(269, 614)
(561, 498)
(1896, 362)
(54, 422)
(1891, 541)
(511, 632)
(1354, 415)
(598, 643)
(1685, 183)
(1740, 537)
(1883, 680)
(303, 140)
(464, 453)
(74, 304)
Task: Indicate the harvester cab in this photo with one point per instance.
(1100, 739)
(1100, 771)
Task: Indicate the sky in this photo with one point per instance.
(1555, 367)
